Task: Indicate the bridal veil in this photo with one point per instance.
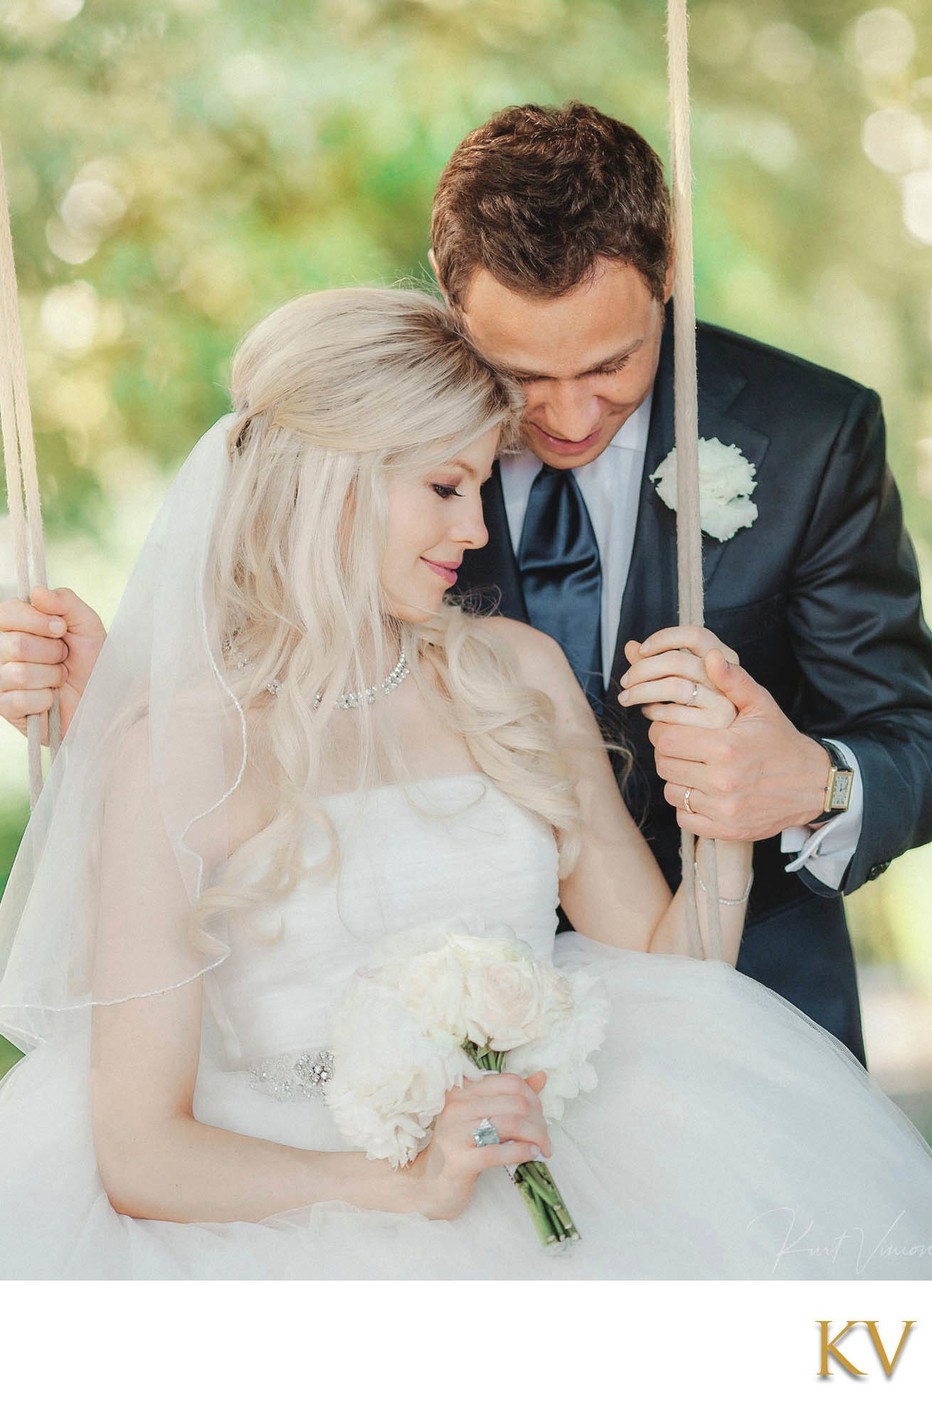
(141, 786)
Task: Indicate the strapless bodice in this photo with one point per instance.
(452, 851)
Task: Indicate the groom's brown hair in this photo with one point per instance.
(536, 195)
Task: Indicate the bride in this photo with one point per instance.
(293, 749)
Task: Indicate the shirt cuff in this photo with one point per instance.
(826, 852)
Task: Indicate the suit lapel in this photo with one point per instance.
(650, 599)
(753, 445)
(490, 573)
(720, 384)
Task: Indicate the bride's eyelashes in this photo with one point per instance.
(445, 491)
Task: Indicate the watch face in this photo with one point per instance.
(841, 789)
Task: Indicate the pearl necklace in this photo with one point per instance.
(353, 699)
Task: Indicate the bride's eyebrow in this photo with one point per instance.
(463, 467)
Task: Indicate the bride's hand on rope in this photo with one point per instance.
(751, 773)
(53, 644)
(670, 680)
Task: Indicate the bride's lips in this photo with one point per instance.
(568, 446)
(446, 570)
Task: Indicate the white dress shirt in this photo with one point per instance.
(610, 487)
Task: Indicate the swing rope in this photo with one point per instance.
(22, 483)
(686, 423)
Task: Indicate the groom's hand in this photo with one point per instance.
(748, 781)
(52, 644)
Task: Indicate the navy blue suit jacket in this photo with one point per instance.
(820, 598)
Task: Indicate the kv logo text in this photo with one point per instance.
(830, 1349)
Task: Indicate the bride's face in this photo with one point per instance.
(433, 518)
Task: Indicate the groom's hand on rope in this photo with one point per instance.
(748, 779)
(52, 644)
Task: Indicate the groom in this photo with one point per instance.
(551, 239)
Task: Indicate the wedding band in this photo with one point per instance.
(485, 1133)
(687, 793)
(695, 695)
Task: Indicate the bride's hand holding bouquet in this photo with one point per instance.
(446, 1171)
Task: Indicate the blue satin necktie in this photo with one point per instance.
(561, 575)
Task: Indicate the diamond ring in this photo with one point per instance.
(485, 1133)
(695, 695)
(686, 800)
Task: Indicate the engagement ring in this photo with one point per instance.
(485, 1133)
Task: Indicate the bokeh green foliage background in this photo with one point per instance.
(178, 168)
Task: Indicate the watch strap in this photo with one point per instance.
(839, 786)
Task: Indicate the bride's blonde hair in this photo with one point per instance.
(334, 394)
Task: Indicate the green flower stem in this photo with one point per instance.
(534, 1181)
(542, 1181)
(540, 1217)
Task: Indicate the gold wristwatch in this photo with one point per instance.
(839, 786)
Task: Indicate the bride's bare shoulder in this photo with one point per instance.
(541, 660)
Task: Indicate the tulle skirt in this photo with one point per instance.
(728, 1137)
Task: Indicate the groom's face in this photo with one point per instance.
(585, 360)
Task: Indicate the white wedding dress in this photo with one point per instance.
(728, 1137)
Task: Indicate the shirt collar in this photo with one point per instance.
(633, 433)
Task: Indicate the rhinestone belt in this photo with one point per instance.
(300, 1076)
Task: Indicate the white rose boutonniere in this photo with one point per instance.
(726, 482)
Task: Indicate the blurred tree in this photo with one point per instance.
(178, 169)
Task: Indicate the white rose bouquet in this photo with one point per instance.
(408, 1030)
